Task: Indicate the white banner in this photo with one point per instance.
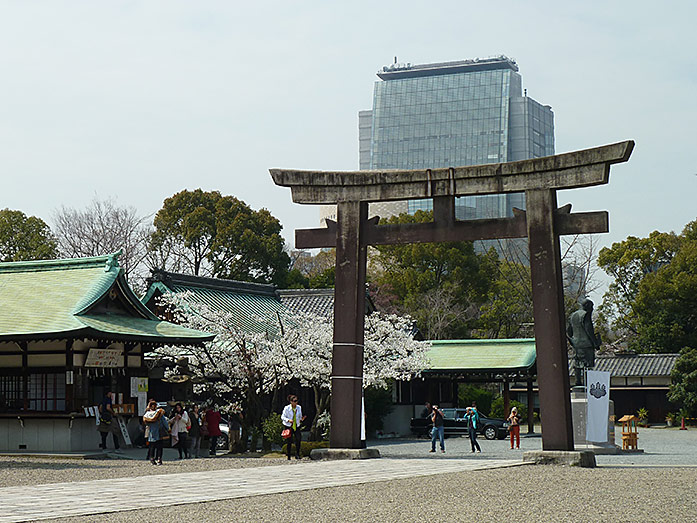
(598, 394)
(363, 438)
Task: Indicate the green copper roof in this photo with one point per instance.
(140, 327)
(70, 297)
(482, 355)
(253, 306)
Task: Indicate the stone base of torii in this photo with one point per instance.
(542, 223)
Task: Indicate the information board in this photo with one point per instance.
(104, 358)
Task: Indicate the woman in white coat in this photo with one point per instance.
(292, 417)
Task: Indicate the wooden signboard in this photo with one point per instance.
(104, 358)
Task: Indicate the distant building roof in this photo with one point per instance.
(309, 301)
(637, 365)
(80, 297)
(254, 306)
(408, 70)
(314, 301)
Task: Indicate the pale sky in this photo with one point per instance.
(140, 99)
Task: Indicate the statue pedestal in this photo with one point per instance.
(579, 406)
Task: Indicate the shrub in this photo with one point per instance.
(324, 423)
(469, 393)
(497, 409)
(643, 416)
(378, 404)
(307, 446)
(272, 427)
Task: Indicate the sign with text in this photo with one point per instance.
(138, 385)
(104, 358)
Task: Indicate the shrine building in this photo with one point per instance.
(70, 331)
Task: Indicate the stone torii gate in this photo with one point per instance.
(542, 223)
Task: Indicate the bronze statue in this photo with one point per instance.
(583, 338)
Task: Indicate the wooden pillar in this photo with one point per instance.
(69, 373)
(23, 345)
(349, 321)
(531, 408)
(506, 398)
(548, 308)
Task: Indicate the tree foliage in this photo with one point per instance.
(666, 305)
(653, 298)
(507, 311)
(303, 351)
(421, 276)
(25, 237)
(205, 233)
(628, 262)
(101, 228)
(683, 388)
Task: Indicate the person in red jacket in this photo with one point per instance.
(212, 420)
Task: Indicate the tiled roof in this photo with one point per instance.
(309, 301)
(637, 364)
(254, 306)
(482, 355)
(58, 298)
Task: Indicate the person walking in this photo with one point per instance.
(472, 418)
(234, 428)
(157, 429)
(195, 432)
(107, 423)
(180, 429)
(292, 417)
(212, 420)
(514, 427)
(438, 430)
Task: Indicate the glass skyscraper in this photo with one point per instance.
(468, 112)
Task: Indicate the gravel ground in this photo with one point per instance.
(36, 471)
(659, 484)
(533, 493)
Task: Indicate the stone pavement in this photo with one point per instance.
(115, 495)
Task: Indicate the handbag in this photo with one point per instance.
(285, 433)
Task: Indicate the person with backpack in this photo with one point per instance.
(438, 430)
(107, 423)
(157, 428)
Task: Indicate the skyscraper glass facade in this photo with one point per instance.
(453, 114)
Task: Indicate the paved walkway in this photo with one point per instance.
(116, 495)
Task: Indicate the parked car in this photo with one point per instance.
(225, 437)
(454, 424)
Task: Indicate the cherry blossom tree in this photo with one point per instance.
(230, 370)
(303, 350)
(240, 366)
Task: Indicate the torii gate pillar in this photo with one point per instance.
(349, 322)
(548, 311)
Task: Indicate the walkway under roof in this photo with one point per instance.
(482, 360)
